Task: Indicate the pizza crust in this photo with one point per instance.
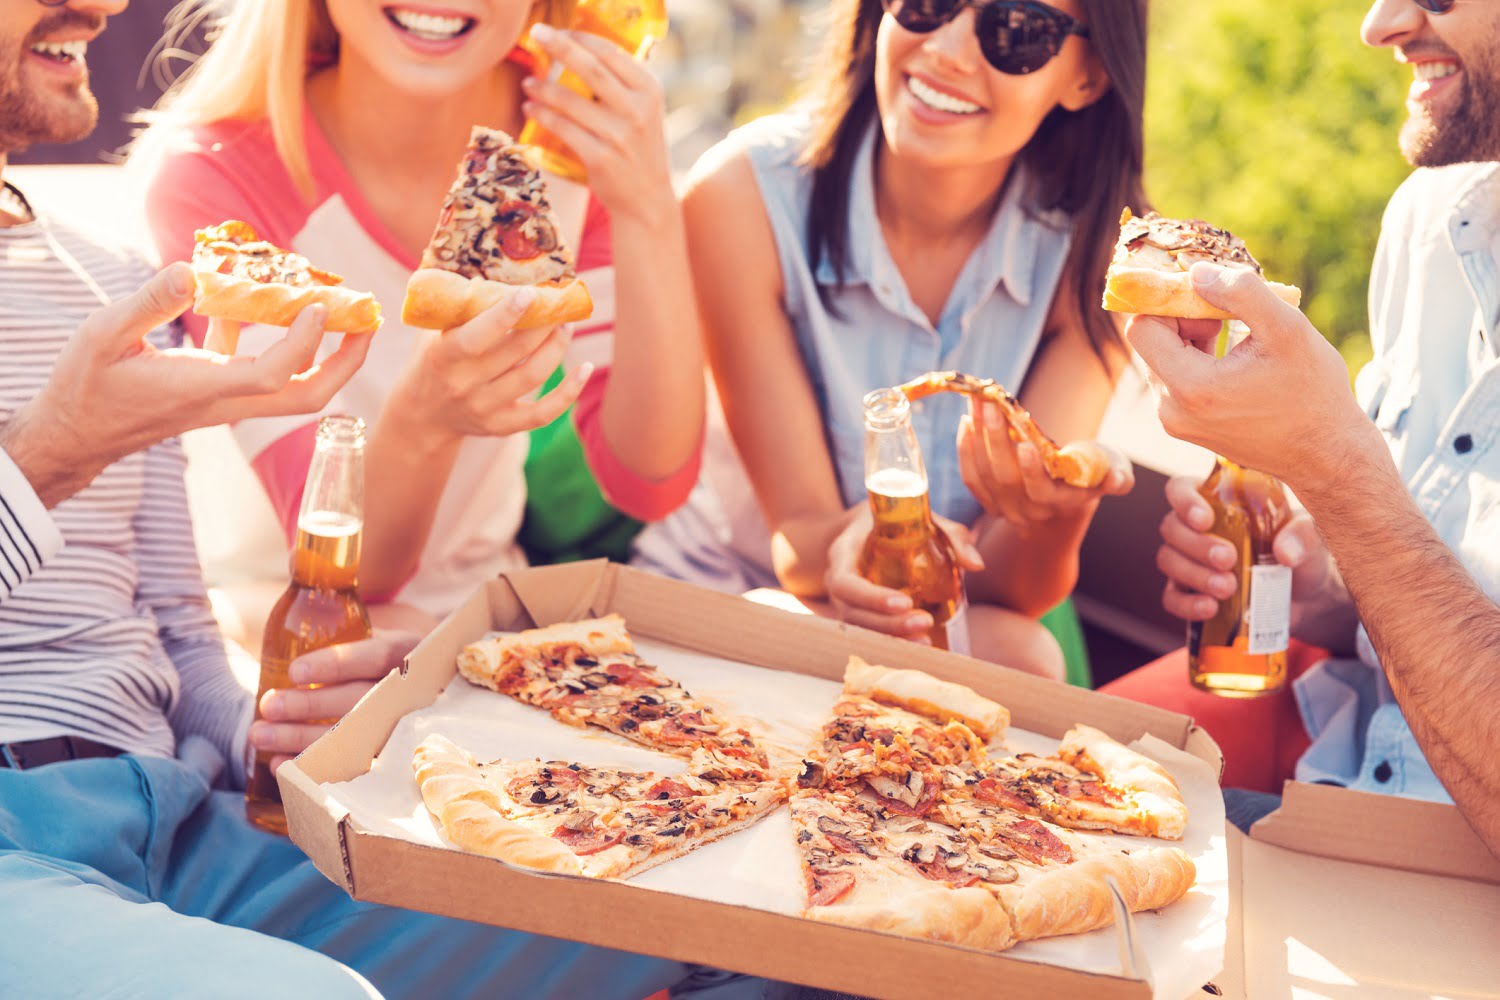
(927, 696)
(223, 296)
(970, 917)
(480, 662)
(1143, 291)
(1074, 898)
(441, 300)
(1156, 800)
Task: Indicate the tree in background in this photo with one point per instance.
(1272, 119)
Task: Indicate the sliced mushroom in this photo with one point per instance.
(813, 775)
(596, 679)
(545, 796)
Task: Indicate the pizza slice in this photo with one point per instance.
(587, 674)
(496, 232)
(243, 278)
(1148, 275)
(582, 820)
(1082, 463)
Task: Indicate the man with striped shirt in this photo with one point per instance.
(121, 871)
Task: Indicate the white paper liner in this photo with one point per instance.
(1183, 945)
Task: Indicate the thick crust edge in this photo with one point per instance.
(970, 917)
(1075, 899)
(455, 792)
(927, 696)
(1144, 291)
(441, 300)
(226, 297)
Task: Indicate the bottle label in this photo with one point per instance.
(957, 629)
(1270, 609)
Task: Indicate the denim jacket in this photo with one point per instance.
(1433, 389)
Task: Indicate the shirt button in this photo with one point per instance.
(1383, 771)
(1463, 444)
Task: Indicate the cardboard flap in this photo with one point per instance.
(1384, 830)
(317, 823)
(562, 593)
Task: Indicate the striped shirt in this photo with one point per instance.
(113, 638)
(28, 535)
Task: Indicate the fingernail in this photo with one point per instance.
(1293, 551)
(920, 620)
(180, 279)
(529, 109)
(543, 32)
(1201, 519)
(1205, 275)
(1222, 584)
(898, 602)
(259, 734)
(1222, 555)
(530, 84)
(271, 706)
(1206, 608)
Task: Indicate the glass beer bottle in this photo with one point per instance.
(322, 606)
(1241, 651)
(633, 25)
(906, 550)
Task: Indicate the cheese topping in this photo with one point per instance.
(1166, 244)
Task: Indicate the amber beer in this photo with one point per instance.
(322, 606)
(1241, 651)
(906, 550)
(633, 25)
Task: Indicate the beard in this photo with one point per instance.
(32, 111)
(1468, 133)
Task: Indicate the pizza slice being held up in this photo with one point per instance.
(496, 233)
(1149, 273)
(245, 279)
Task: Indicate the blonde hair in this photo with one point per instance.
(258, 64)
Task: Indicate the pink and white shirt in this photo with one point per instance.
(231, 170)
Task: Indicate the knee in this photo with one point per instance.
(1013, 640)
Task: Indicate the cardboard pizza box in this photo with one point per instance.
(385, 869)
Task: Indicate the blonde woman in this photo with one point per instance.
(334, 127)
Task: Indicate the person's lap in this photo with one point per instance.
(130, 871)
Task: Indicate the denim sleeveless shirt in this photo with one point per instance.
(875, 336)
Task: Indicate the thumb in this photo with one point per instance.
(1245, 295)
(161, 300)
(1296, 541)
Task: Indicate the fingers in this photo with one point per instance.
(162, 299)
(274, 368)
(868, 605)
(311, 705)
(1191, 575)
(1296, 541)
(366, 660)
(573, 50)
(1201, 333)
(1246, 295)
(223, 336)
(1188, 606)
(489, 329)
(963, 543)
(1188, 503)
(1201, 547)
(529, 372)
(1171, 358)
(517, 418)
(288, 738)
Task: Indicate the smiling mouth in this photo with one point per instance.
(1438, 69)
(63, 53)
(429, 27)
(939, 101)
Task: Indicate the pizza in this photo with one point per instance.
(1082, 463)
(905, 823)
(565, 817)
(1148, 275)
(243, 278)
(587, 674)
(496, 232)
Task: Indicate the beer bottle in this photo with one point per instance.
(1241, 651)
(633, 25)
(906, 550)
(322, 606)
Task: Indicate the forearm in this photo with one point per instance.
(41, 450)
(1436, 632)
(407, 467)
(652, 415)
(1029, 570)
(799, 550)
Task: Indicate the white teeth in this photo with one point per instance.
(429, 25)
(939, 100)
(1424, 71)
(62, 50)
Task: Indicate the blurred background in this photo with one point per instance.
(1268, 117)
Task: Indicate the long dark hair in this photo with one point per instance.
(1086, 163)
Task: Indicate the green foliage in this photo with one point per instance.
(1272, 119)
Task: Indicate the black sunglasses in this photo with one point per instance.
(1016, 36)
(1436, 6)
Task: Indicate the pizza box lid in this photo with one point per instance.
(383, 869)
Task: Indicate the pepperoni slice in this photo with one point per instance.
(510, 221)
(924, 804)
(673, 735)
(563, 777)
(585, 842)
(630, 675)
(990, 790)
(1037, 843)
(939, 872)
(829, 887)
(669, 788)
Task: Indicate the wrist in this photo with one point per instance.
(48, 453)
(1342, 460)
(406, 421)
(658, 221)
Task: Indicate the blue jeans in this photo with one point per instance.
(130, 878)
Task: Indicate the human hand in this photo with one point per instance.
(112, 393)
(477, 380)
(1009, 480)
(1279, 401)
(859, 602)
(620, 135)
(1199, 566)
(329, 682)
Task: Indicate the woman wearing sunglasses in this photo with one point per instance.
(948, 201)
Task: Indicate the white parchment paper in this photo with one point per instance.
(1182, 946)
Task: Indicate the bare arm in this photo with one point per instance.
(767, 397)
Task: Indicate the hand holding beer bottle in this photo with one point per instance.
(321, 607)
